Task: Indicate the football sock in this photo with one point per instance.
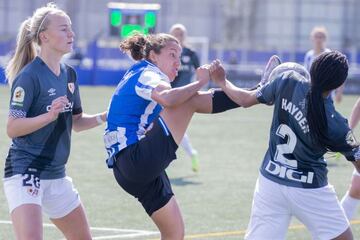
(185, 143)
(221, 102)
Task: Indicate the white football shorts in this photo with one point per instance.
(274, 205)
(57, 197)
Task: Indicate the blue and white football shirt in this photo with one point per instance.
(131, 110)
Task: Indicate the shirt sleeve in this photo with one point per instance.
(22, 95)
(147, 82)
(350, 147)
(344, 139)
(77, 108)
(267, 93)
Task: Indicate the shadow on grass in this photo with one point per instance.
(184, 181)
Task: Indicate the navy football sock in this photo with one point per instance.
(221, 102)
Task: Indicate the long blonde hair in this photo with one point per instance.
(27, 37)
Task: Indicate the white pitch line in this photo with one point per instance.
(120, 230)
(132, 233)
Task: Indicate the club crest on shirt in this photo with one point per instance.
(32, 191)
(71, 87)
(18, 95)
(351, 140)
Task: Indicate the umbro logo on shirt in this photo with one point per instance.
(52, 91)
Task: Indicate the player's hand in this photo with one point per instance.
(58, 105)
(217, 72)
(203, 74)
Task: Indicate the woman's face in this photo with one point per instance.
(319, 40)
(58, 35)
(179, 35)
(168, 61)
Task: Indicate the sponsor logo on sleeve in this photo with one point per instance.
(18, 96)
(351, 140)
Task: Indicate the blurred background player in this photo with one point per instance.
(351, 199)
(319, 36)
(189, 63)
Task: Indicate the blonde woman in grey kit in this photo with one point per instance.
(44, 108)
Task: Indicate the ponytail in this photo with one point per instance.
(24, 53)
(28, 35)
(139, 46)
(316, 116)
(135, 45)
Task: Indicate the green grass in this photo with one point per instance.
(215, 202)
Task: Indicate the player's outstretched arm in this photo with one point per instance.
(85, 121)
(171, 97)
(244, 98)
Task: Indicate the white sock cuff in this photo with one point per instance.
(356, 173)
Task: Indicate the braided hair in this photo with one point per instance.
(328, 72)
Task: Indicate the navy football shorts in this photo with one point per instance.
(140, 168)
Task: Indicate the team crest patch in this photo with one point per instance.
(71, 87)
(350, 139)
(18, 95)
(33, 191)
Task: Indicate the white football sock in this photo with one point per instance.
(185, 143)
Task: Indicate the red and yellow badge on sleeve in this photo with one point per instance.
(18, 96)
